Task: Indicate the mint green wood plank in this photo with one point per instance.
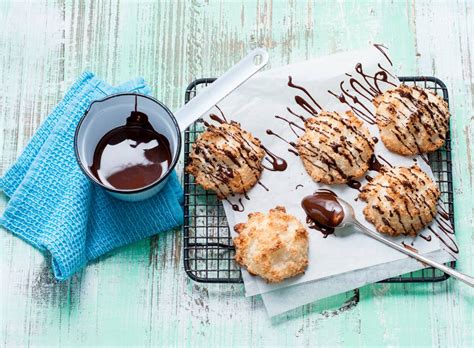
(139, 294)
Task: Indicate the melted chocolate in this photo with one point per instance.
(237, 207)
(381, 47)
(354, 184)
(324, 212)
(292, 124)
(375, 139)
(218, 119)
(301, 117)
(294, 152)
(278, 163)
(425, 158)
(451, 244)
(428, 239)
(261, 184)
(132, 156)
(375, 165)
(301, 101)
(386, 162)
(366, 86)
(291, 143)
(344, 98)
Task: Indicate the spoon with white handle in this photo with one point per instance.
(350, 219)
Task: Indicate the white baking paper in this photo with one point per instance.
(256, 103)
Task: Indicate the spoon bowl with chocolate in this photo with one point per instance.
(330, 213)
(129, 143)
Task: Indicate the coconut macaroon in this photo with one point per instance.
(400, 201)
(335, 148)
(273, 246)
(411, 120)
(226, 159)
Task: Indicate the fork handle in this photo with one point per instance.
(448, 270)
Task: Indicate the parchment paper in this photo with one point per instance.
(255, 105)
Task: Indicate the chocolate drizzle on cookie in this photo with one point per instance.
(335, 147)
(411, 120)
(230, 168)
(400, 201)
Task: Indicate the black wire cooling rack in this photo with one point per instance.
(208, 249)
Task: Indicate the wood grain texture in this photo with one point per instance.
(140, 295)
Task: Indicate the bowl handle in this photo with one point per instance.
(220, 88)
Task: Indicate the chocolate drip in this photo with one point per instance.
(291, 143)
(428, 239)
(381, 47)
(369, 118)
(222, 114)
(375, 165)
(216, 118)
(388, 72)
(375, 140)
(372, 81)
(291, 124)
(354, 184)
(301, 117)
(261, 184)
(442, 212)
(278, 163)
(292, 85)
(237, 207)
(294, 152)
(386, 162)
(324, 212)
(453, 247)
(425, 159)
(305, 105)
(367, 89)
(369, 178)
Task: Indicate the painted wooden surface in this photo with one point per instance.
(140, 294)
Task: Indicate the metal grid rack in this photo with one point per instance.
(208, 249)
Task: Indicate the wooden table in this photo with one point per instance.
(140, 294)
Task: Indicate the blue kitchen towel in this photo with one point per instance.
(54, 207)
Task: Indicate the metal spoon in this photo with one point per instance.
(350, 219)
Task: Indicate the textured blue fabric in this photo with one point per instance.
(54, 207)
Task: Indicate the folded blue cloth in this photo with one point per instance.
(54, 207)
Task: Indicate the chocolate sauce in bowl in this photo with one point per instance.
(131, 156)
(324, 212)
